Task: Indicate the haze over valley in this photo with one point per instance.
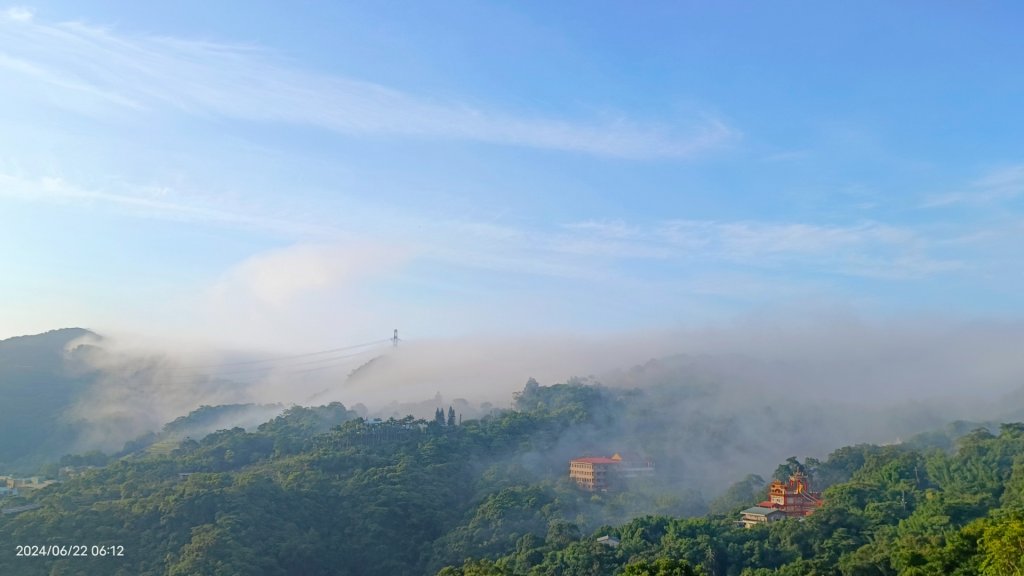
(511, 289)
(768, 390)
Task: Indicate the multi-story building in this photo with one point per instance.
(599, 474)
(592, 474)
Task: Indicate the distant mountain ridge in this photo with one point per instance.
(37, 385)
(47, 342)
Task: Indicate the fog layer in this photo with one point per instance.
(779, 386)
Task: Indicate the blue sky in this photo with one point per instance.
(264, 173)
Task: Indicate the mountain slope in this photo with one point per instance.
(37, 385)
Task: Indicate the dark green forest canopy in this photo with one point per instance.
(894, 510)
(321, 491)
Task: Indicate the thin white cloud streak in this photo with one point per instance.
(206, 78)
(18, 14)
(66, 82)
(149, 202)
(588, 250)
(868, 249)
(994, 187)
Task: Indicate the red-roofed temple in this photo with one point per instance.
(794, 498)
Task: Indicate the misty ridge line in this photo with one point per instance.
(855, 382)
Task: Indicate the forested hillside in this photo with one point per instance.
(367, 497)
(63, 391)
(322, 491)
(892, 510)
(37, 387)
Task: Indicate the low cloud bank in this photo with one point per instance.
(813, 384)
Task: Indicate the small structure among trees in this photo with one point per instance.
(759, 515)
(791, 499)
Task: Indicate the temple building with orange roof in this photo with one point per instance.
(792, 499)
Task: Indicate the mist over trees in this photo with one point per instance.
(69, 391)
(325, 491)
(37, 388)
(891, 510)
(457, 489)
(810, 386)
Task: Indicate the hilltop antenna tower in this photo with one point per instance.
(394, 339)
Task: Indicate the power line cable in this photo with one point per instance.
(285, 365)
(209, 367)
(287, 368)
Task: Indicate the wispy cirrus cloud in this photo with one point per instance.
(200, 78)
(868, 249)
(18, 14)
(583, 250)
(148, 202)
(998, 185)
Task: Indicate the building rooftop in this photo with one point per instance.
(596, 460)
(759, 510)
